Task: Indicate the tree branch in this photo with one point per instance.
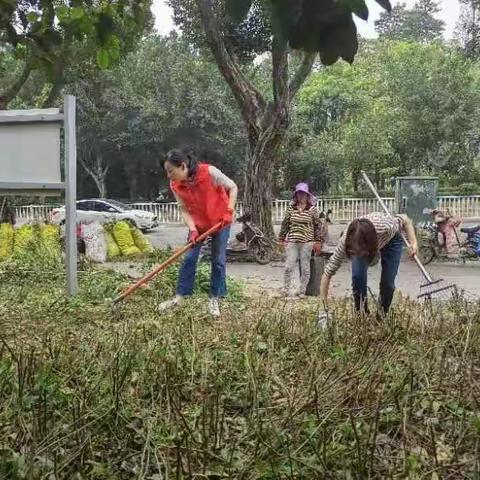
(280, 69)
(301, 74)
(55, 91)
(13, 91)
(86, 167)
(247, 96)
(99, 176)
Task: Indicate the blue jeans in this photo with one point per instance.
(218, 284)
(390, 255)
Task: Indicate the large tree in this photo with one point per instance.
(469, 28)
(228, 29)
(417, 24)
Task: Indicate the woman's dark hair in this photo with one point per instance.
(361, 239)
(178, 157)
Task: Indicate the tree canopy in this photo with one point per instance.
(417, 24)
(46, 35)
(408, 105)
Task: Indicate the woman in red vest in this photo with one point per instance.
(206, 197)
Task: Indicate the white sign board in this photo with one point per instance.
(30, 162)
(30, 153)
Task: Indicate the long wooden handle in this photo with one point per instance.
(160, 268)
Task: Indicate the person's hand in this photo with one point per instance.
(323, 319)
(193, 236)
(227, 218)
(282, 244)
(317, 248)
(413, 249)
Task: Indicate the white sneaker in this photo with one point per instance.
(213, 307)
(169, 304)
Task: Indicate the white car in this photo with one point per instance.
(103, 211)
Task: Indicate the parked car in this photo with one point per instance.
(102, 210)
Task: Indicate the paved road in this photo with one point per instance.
(271, 276)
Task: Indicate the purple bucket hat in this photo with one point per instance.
(303, 187)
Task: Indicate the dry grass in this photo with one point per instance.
(88, 392)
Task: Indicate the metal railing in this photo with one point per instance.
(463, 207)
(33, 212)
(344, 209)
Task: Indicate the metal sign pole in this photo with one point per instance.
(70, 194)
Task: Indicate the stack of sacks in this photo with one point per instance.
(122, 233)
(27, 239)
(24, 238)
(95, 244)
(113, 240)
(6, 240)
(50, 239)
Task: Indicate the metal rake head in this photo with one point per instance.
(437, 289)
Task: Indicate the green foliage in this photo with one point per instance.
(160, 96)
(166, 282)
(246, 36)
(259, 394)
(469, 189)
(398, 110)
(416, 24)
(404, 108)
(40, 31)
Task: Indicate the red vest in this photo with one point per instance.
(205, 202)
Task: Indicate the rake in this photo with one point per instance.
(160, 268)
(431, 287)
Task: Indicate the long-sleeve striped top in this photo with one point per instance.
(386, 228)
(302, 226)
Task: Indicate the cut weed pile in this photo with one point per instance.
(87, 392)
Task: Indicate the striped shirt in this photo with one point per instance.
(386, 228)
(302, 226)
(220, 179)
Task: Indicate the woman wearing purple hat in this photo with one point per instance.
(302, 230)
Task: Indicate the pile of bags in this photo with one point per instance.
(101, 242)
(113, 240)
(45, 239)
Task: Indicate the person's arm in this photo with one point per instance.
(232, 197)
(320, 227)
(324, 287)
(332, 267)
(221, 180)
(285, 227)
(187, 218)
(409, 229)
(319, 234)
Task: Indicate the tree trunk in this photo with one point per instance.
(266, 123)
(131, 169)
(100, 183)
(355, 180)
(258, 189)
(53, 95)
(132, 187)
(98, 172)
(262, 156)
(102, 186)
